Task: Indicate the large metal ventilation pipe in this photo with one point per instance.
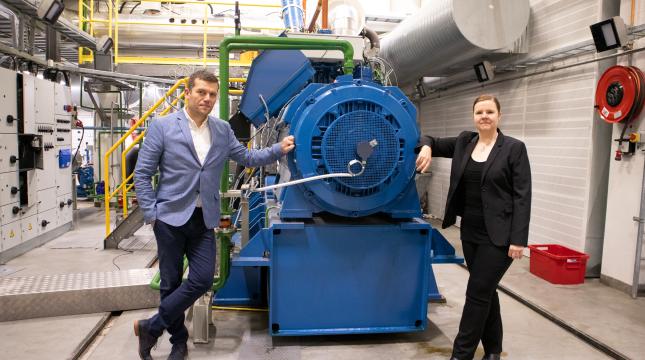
(445, 33)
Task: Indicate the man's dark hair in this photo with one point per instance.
(202, 74)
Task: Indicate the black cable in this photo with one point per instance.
(79, 143)
(127, 252)
(134, 7)
(122, 6)
(66, 76)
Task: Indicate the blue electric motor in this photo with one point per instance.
(358, 127)
(348, 254)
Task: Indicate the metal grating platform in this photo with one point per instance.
(81, 293)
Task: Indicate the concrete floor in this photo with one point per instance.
(604, 313)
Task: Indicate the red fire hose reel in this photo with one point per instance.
(619, 98)
(620, 94)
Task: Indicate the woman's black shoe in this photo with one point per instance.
(492, 357)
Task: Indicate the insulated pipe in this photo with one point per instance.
(262, 43)
(375, 42)
(449, 33)
(292, 15)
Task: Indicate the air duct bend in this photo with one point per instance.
(445, 33)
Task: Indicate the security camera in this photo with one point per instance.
(50, 10)
(104, 44)
(484, 71)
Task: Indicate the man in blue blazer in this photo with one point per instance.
(190, 149)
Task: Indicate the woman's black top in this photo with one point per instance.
(473, 227)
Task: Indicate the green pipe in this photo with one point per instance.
(155, 284)
(262, 43)
(224, 237)
(224, 249)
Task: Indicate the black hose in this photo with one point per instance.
(134, 7)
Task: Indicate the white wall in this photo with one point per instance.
(625, 179)
(553, 114)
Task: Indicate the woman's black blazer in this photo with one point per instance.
(505, 185)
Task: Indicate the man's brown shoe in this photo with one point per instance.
(146, 340)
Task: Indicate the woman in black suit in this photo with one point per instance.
(490, 188)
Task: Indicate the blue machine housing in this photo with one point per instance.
(348, 255)
(328, 122)
(275, 77)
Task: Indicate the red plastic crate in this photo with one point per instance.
(558, 264)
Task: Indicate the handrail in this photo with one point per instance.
(86, 21)
(106, 157)
(125, 178)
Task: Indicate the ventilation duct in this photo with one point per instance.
(446, 33)
(346, 17)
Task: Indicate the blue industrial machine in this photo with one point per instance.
(85, 185)
(348, 252)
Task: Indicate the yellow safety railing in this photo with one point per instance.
(87, 22)
(106, 159)
(124, 187)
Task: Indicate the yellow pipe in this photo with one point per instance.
(95, 20)
(92, 17)
(124, 153)
(236, 92)
(110, 11)
(116, 191)
(135, 22)
(80, 27)
(175, 61)
(205, 23)
(234, 80)
(116, 34)
(217, 3)
(215, 307)
(106, 157)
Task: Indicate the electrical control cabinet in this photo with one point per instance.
(63, 135)
(28, 190)
(63, 100)
(8, 153)
(47, 220)
(8, 102)
(47, 175)
(11, 235)
(29, 227)
(46, 200)
(63, 174)
(45, 97)
(9, 188)
(36, 117)
(9, 213)
(64, 205)
(27, 98)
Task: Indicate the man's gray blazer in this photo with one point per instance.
(169, 147)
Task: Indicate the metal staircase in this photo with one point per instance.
(126, 228)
